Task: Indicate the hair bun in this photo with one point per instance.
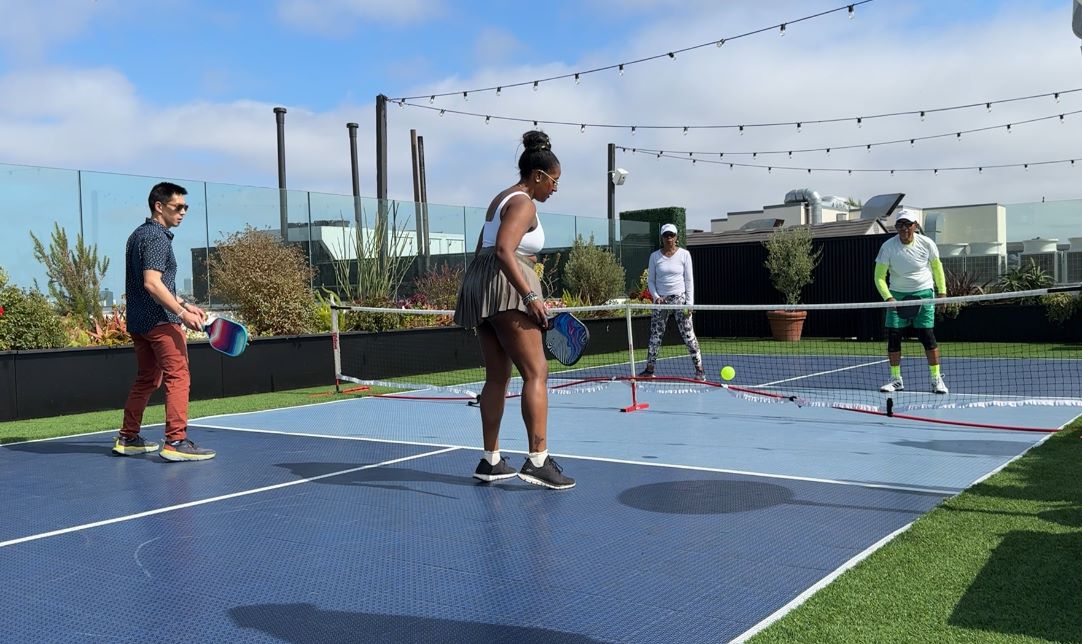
(536, 140)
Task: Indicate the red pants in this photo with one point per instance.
(162, 355)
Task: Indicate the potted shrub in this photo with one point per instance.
(790, 260)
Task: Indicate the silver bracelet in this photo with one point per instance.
(530, 297)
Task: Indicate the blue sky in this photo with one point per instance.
(184, 88)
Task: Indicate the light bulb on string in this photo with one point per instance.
(798, 127)
(488, 119)
(578, 80)
(851, 12)
(582, 128)
(621, 69)
(632, 130)
(432, 99)
(535, 86)
(860, 122)
(672, 56)
(685, 130)
(911, 142)
(720, 42)
(1061, 119)
(442, 112)
(958, 137)
(498, 90)
(465, 96)
(988, 107)
(741, 130)
(922, 115)
(1056, 96)
(781, 31)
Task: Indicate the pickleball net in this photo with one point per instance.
(839, 361)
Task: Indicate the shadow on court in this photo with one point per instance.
(61, 447)
(975, 447)
(305, 623)
(711, 496)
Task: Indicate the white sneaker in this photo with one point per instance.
(895, 384)
(938, 386)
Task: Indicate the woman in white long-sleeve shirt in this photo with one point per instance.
(671, 281)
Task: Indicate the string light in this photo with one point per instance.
(798, 127)
(498, 90)
(535, 85)
(685, 130)
(851, 12)
(781, 31)
(582, 129)
(717, 42)
(578, 81)
(849, 171)
(621, 69)
(922, 115)
(799, 124)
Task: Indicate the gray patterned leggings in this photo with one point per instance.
(659, 318)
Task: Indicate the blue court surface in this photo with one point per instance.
(700, 519)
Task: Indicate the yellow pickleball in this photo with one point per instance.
(728, 373)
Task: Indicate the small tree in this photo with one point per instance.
(267, 281)
(791, 260)
(29, 320)
(593, 275)
(74, 276)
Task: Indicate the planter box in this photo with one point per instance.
(1007, 323)
(53, 382)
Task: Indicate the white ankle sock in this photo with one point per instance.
(538, 458)
(492, 457)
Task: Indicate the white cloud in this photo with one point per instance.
(95, 118)
(28, 29)
(340, 17)
(494, 43)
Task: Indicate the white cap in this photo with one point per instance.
(905, 215)
(668, 228)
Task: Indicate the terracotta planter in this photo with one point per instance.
(786, 326)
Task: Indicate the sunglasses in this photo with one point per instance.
(176, 207)
(902, 225)
(555, 182)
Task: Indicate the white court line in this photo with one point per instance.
(603, 459)
(825, 581)
(278, 486)
(822, 373)
(819, 585)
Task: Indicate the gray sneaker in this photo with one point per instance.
(895, 384)
(488, 473)
(185, 450)
(549, 475)
(137, 445)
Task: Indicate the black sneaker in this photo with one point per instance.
(137, 445)
(489, 473)
(647, 373)
(548, 475)
(185, 450)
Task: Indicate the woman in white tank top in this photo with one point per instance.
(500, 296)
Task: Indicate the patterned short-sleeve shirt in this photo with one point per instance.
(150, 247)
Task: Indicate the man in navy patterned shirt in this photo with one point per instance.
(155, 316)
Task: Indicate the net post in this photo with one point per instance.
(336, 350)
(890, 406)
(635, 404)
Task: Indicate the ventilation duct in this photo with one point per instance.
(812, 198)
